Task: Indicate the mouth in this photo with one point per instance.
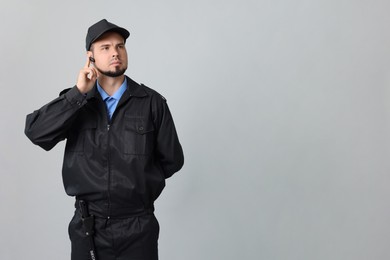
(116, 63)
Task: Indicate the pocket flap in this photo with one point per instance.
(140, 127)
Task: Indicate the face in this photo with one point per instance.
(110, 54)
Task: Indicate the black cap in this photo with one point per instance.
(97, 30)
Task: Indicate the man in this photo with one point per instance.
(121, 146)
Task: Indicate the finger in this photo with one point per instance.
(88, 63)
(92, 73)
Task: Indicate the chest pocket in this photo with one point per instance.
(80, 138)
(138, 136)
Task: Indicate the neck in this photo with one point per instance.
(110, 84)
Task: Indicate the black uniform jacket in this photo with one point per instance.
(123, 161)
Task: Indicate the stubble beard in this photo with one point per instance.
(113, 74)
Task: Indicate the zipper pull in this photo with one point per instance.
(108, 127)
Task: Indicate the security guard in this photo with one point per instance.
(121, 145)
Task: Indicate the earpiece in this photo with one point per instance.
(91, 59)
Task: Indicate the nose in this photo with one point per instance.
(115, 52)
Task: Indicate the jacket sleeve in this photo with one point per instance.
(168, 148)
(48, 125)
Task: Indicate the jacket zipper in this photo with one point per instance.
(109, 171)
(109, 120)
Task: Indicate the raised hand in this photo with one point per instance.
(87, 77)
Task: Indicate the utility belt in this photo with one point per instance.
(102, 209)
(90, 210)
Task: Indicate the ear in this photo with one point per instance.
(90, 54)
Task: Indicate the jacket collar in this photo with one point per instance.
(134, 89)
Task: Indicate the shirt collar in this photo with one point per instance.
(117, 95)
(134, 89)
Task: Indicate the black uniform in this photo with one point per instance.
(117, 165)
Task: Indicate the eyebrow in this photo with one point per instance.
(108, 44)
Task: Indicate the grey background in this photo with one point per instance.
(282, 108)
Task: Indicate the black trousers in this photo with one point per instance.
(131, 238)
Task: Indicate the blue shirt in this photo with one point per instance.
(112, 101)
